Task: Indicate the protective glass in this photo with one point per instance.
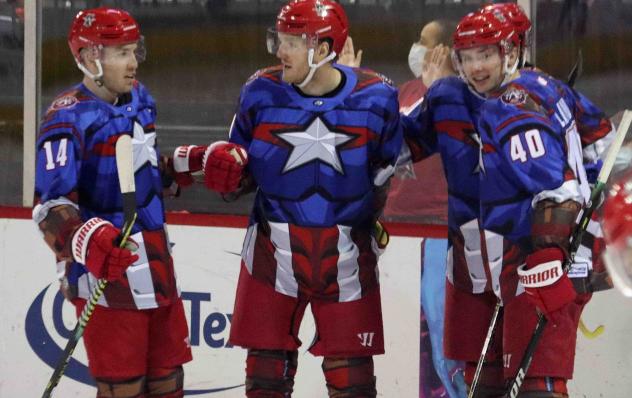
(272, 41)
(141, 50)
(122, 53)
(290, 43)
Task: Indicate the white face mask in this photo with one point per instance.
(416, 58)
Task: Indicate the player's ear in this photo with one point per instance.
(323, 49)
(88, 56)
(514, 54)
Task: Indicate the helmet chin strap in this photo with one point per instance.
(313, 66)
(98, 78)
(509, 71)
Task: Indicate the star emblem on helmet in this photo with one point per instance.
(316, 143)
(88, 20)
(499, 16)
(321, 10)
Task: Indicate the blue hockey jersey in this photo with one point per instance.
(448, 122)
(76, 166)
(533, 131)
(320, 165)
(445, 122)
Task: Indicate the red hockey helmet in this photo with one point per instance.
(319, 19)
(617, 211)
(516, 16)
(102, 27)
(484, 28)
(617, 228)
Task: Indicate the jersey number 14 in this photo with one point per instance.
(61, 154)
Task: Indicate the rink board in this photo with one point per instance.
(34, 322)
(207, 266)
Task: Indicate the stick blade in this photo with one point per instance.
(125, 164)
(622, 137)
(125, 170)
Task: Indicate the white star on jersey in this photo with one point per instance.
(317, 142)
(143, 145)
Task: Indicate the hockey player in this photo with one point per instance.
(322, 142)
(532, 185)
(447, 122)
(137, 337)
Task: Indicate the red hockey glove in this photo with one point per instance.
(94, 245)
(187, 159)
(547, 286)
(224, 165)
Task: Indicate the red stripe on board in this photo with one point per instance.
(15, 212)
(417, 230)
(231, 221)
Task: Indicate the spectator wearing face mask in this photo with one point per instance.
(428, 62)
(435, 34)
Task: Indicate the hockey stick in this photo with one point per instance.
(125, 168)
(577, 69)
(591, 334)
(595, 194)
(488, 339)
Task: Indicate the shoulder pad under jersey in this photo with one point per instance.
(273, 73)
(144, 97)
(500, 119)
(65, 114)
(368, 77)
(264, 85)
(66, 101)
(527, 92)
(452, 90)
(449, 88)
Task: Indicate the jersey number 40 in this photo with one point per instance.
(534, 146)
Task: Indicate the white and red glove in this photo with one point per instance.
(187, 159)
(94, 245)
(224, 165)
(546, 284)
